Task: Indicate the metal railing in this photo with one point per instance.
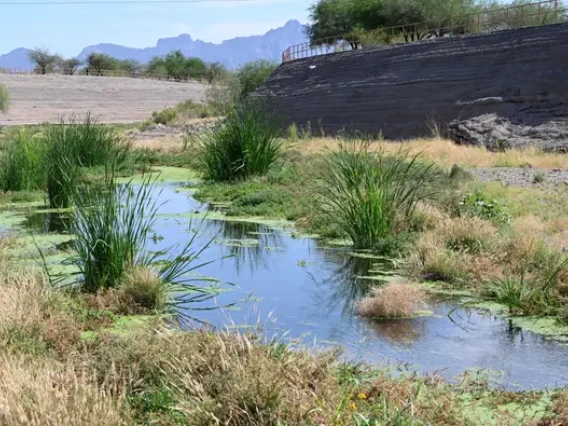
(525, 15)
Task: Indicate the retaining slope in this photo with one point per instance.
(401, 90)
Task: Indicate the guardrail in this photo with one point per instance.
(546, 12)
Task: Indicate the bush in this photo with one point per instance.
(245, 144)
(143, 287)
(481, 205)
(253, 74)
(165, 116)
(366, 194)
(21, 164)
(4, 99)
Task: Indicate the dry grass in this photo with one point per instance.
(164, 145)
(143, 288)
(395, 300)
(39, 392)
(446, 153)
(31, 320)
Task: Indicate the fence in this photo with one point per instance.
(98, 73)
(525, 15)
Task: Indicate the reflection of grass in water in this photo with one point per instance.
(403, 331)
(236, 237)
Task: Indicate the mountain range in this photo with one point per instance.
(231, 53)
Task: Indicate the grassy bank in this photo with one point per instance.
(107, 374)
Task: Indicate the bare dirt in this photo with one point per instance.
(41, 98)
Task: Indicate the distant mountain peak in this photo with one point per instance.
(231, 53)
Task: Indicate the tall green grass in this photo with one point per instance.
(365, 193)
(245, 144)
(21, 164)
(112, 227)
(90, 143)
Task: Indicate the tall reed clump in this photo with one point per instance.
(61, 165)
(92, 143)
(245, 144)
(21, 164)
(367, 193)
(111, 228)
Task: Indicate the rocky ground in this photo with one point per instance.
(521, 176)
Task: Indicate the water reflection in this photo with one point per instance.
(400, 331)
(248, 244)
(48, 222)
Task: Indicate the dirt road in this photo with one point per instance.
(41, 98)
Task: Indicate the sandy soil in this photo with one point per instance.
(36, 98)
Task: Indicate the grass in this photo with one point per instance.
(367, 193)
(395, 300)
(181, 113)
(245, 144)
(21, 163)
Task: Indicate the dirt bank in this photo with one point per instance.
(37, 98)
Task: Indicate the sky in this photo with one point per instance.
(67, 29)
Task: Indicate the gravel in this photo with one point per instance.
(522, 176)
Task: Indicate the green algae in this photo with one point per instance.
(215, 215)
(486, 408)
(548, 327)
(243, 242)
(163, 175)
(122, 325)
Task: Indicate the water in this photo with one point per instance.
(299, 290)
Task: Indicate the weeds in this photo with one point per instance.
(366, 193)
(21, 164)
(245, 144)
(4, 99)
(395, 300)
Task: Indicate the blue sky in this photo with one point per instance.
(67, 29)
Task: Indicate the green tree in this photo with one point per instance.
(130, 66)
(157, 67)
(253, 74)
(69, 66)
(43, 60)
(4, 99)
(98, 63)
(333, 20)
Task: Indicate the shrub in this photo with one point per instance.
(21, 164)
(481, 205)
(253, 74)
(395, 300)
(366, 194)
(4, 99)
(165, 116)
(539, 177)
(244, 144)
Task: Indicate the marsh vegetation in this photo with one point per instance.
(114, 316)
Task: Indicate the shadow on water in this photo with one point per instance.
(307, 292)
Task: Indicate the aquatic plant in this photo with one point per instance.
(244, 144)
(61, 165)
(365, 193)
(395, 300)
(91, 143)
(112, 227)
(21, 164)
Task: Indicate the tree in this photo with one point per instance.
(97, 63)
(4, 99)
(253, 74)
(130, 66)
(157, 67)
(215, 71)
(69, 66)
(347, 20)
(44, 61)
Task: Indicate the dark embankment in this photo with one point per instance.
(514, 78)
